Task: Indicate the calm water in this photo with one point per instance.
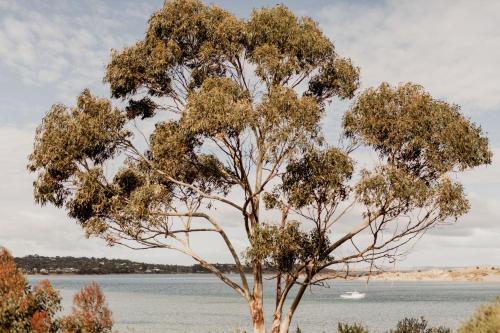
(201, 303)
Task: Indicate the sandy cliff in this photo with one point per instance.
(477, 274)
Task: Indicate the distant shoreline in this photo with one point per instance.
(70, 266)
(435, 275)
(467, 274)
(133, 273)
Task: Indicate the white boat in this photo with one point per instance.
(353, 295)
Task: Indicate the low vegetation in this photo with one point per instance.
(351, 328)
(407, 325)
(485, 320)
(413, 325)
(26, 309)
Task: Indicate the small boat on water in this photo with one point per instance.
(352, 295)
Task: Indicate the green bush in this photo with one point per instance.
(351, 328)
(414, 325)
(485, 320)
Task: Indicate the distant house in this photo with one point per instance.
(69, 270)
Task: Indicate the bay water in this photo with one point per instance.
(202, 303)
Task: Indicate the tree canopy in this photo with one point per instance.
(238, 106)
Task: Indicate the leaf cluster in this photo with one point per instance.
(71, 139)
(285, 247)
(395, 192)
(182, 35)
(421, 140)
(415, 132)
(284, 117)
(317, 177)
(280, 45)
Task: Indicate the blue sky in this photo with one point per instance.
(51, 50)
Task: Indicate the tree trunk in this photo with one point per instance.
(257, 303)
(257, 313)
(275, 328)
(285, 324)
(276, 322)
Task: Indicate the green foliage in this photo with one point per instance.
(69, 139)
(397, 191)
(413, 325)
(485, 320)
(351, 328)
(282, 45)
(182, 33)
(450, 199)
(393, 190)
(284, 247)
(317, 177)
(415, 132)
(174, 153)
(287, 119)
(345, 80)
(220, 106)
(276, 246)
(91, 201)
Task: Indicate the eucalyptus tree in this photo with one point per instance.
(238, 106)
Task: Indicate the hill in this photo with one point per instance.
(35, 264)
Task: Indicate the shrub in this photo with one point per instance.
(90, 312)
(351, 328)
(485, 320)
(22, 308)
(32, 310)
(414, 325)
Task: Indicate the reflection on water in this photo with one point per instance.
(201, 303)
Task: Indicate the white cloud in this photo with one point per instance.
(64, 46)
(450, 47)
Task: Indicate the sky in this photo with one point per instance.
(51, 50)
